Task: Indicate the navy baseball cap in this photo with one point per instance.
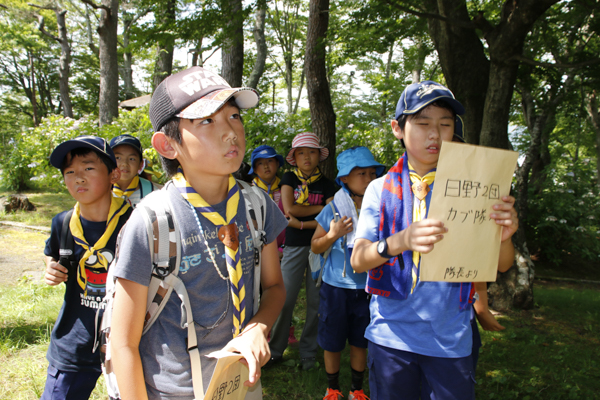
(354, 157)
(91, 142)
(128, 140)
(264, 151)
(193, 94)
(419, 95)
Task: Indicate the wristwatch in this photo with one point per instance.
(382, 249)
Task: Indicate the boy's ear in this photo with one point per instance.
(115, 175)
(344, 179)
(163, 146)
(398, 132)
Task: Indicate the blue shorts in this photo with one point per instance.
(343, 315)
(69, 385)
(414, 376)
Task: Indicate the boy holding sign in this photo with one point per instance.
(418, 329)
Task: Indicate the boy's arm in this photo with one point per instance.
(252, 342)
(420, 236)
(505, 215)
(297, 210)
(322, 240)
(482, 312)
(55, 273)
(128, 322)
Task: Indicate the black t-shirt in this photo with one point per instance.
(318, 192)
(73, 335)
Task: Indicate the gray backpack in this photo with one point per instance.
(164, 237)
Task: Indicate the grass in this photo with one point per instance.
(48, 205)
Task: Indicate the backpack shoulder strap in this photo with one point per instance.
(67, 246)
(164, 242)
(146, 187)
(255, 214)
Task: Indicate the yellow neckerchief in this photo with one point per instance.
(420, 189)
(303, 198)
(118, 207)
(232, 256)
(130, 189)
(269, 188)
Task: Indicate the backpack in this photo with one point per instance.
(165, 239)
(317, 261)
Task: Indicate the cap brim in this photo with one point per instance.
(60, 152)
(213, 101)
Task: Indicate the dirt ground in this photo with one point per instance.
(21, 255)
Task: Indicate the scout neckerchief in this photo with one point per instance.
(270, 188)
(228, 234)
(118, 207)
(420, 187)
(130, 189)
(392, 279)
(315, 176)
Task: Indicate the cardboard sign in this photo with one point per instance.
(469, 180)
(227, 382)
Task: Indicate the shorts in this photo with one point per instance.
(343, 315)
(69, 385)
(415, 376)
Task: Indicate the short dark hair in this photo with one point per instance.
(404, 117)
(171, 130)
(84, 151)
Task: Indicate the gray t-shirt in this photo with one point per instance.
(165, 359)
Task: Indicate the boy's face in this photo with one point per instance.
(359, 178)
(129, 162)
(423, 136)
(266, 168)
(214, 145)
(87, 178)
(307, 159)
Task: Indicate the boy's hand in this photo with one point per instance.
(341, 227)
(252, 344)
(505, 215)
(422, 235)
(55, 273)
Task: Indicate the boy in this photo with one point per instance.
(304, 192)
(89, 170)
(420, 329)
(201, 140)
(344, 304)
(130, 160)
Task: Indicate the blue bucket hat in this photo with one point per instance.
(358, 156)
(419, 95)
(90, 142)
(264, 151)
(128, 140)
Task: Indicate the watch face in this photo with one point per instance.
(381, 247)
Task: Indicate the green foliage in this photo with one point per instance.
(27, 164)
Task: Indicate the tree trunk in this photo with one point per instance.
(33, 97)
(594, 113)
(64, 69)
(109, 64)
(463, 60)
(232, 53)
(127, 70)
(319, 96)
(164, 52)
(261, 45)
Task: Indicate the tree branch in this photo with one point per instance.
(478, 23)
(529, 61)
(42, 29)
(96, 6)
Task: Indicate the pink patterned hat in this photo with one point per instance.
(306, 139)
